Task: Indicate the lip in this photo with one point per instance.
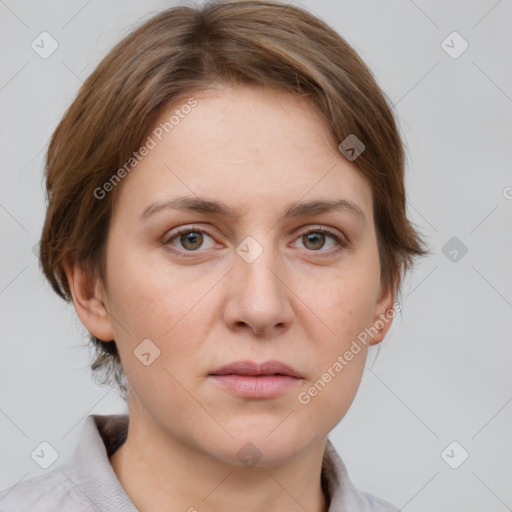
(252, 380)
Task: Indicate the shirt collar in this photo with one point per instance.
(91, 469)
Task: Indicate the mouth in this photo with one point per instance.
(252, 380)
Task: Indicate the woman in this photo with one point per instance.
(226, 210)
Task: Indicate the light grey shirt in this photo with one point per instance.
(88, 483)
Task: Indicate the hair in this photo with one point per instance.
(185, 50)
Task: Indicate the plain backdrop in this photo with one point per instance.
(443, 373)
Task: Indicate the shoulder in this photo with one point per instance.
(52, 491)
(85, 483)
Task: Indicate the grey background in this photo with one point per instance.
(442, 374)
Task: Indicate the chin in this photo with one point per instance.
(256, 453)
(262, 444)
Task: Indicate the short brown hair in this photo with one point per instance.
(184, 50)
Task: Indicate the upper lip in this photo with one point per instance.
(252, 368)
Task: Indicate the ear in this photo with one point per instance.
(89, 299)
(385, 311)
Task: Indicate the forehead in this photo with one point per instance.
(243, 145)
(248, 121)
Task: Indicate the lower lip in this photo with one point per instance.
(248, 386)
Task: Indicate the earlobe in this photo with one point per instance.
(90, 301)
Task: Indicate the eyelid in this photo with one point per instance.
(184, 229)
(321, 228)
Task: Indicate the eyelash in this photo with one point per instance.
(341, 242)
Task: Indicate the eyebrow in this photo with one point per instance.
(292, 210)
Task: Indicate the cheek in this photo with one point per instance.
(335, 399)
(346, 306)
(165, 307)
(339, 359)
(171, 308)
(150, 296)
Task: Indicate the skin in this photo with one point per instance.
(300, 302)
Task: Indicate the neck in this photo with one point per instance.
(158, 472)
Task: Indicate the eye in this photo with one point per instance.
(190, 238)
(315, 239)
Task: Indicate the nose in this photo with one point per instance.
(259, 298)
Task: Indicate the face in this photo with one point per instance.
(229, 277)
